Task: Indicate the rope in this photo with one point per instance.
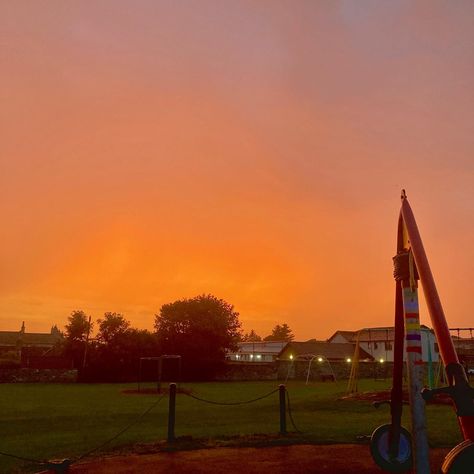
(21, 458)
(290, 413)
(121, 432)
(66, 463)
(212, 402)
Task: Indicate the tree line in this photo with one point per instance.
(199, 329)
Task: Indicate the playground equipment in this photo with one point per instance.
(320, 358)
(391, 445)
(352, 386)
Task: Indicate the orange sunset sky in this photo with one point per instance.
(254, 150)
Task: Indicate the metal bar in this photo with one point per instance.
(171, 412)
(396, 394)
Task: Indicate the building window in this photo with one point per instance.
(388, 345)
(376, 346)
(436, 347)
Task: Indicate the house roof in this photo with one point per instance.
(330, 350)
(12, 338)
(348, 335)
(379, 334)
(262, 347)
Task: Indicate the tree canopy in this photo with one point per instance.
(77, 330)
(251, 336)
(280, 333)
(200, 329)
(112, 326)
(78, 326)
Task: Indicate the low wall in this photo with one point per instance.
(298, 370)
(235, 371)
(282, 370)
(38, 375)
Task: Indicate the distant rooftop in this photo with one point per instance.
(330, 350)
(263, 347)
(23, 338)
(377, 334)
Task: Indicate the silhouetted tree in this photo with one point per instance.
(251, 336)
(77, 331)
(78, 326)
(280, 333)
(114, 357)
(200, 329)
(111, 327)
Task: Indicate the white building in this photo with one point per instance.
(378, 342)
(259, 351)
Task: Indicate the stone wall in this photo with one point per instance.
(38, 375)
(235, 371)
(298, 370)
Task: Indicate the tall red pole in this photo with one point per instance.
(438, 319)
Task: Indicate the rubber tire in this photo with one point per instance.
(460, 460)
(379, 436)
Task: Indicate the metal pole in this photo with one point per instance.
(139, 374)
(282, 394)
(396, 405)
(171, 412)
(309, 369)
(86, 343)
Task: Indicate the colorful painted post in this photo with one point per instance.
(171, 412)
(415, 380)
(282, 394)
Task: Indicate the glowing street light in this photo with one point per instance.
(291, 356)
(348, 360)
(382, 361)
(320, 359)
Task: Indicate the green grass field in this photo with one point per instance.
(42, 421)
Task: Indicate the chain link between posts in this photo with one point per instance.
(64, 465)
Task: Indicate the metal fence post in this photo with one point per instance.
(282, 393)
(171, 412)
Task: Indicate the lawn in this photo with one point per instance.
(44, 421)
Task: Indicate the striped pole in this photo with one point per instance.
(415, 378)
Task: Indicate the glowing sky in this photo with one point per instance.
(253, 150)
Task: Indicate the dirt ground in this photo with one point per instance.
(335, 459)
